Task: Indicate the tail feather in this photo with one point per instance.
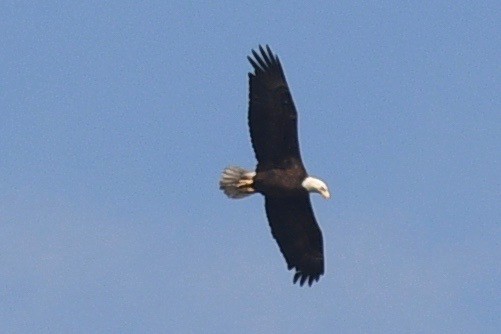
(237, 182)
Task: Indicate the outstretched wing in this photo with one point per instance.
(296, 231)
(272, 115)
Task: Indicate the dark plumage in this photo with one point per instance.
(280, 174)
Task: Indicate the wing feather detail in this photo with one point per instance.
(272, 115)
(298, 235)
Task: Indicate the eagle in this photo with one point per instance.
(280, 175)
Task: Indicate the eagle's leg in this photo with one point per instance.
(246, 184)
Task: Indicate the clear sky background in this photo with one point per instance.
(118, 117)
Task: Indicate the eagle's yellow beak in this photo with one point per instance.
(325, 194)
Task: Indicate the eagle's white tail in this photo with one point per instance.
(237, 182)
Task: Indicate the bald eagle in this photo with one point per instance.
(280, 174)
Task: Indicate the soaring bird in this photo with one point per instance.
(280, 175)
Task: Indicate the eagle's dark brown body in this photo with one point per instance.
(280, 182)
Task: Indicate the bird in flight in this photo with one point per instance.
(280, 175)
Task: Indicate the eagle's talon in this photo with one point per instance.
(244, 183)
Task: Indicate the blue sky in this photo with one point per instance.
(117, 119)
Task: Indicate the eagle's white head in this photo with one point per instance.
(316, 185)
